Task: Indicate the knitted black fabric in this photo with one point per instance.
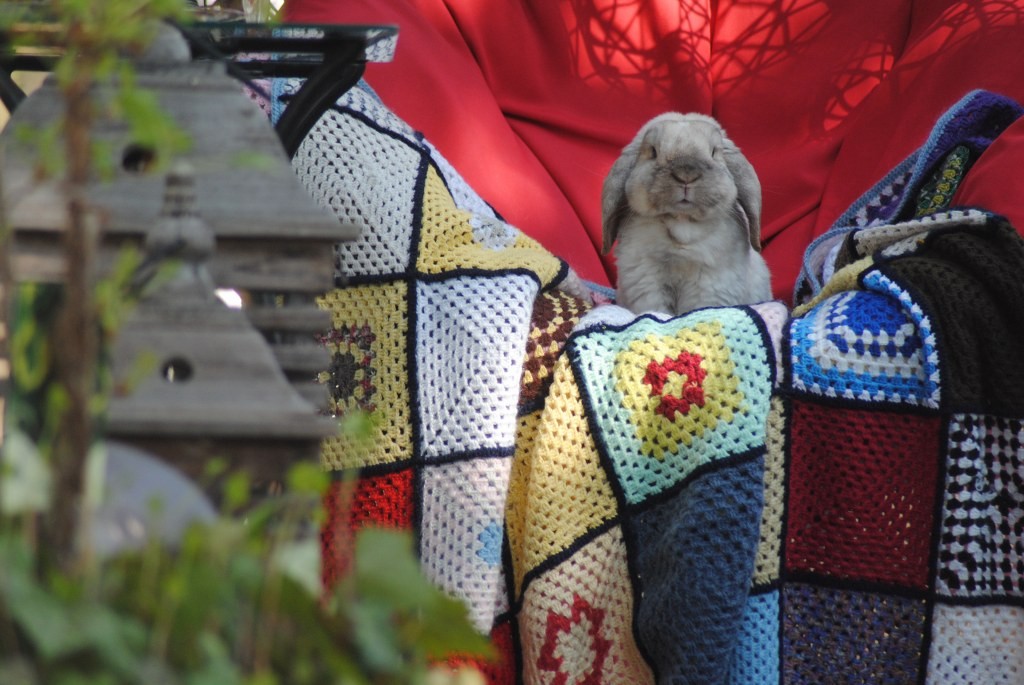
(969, 281)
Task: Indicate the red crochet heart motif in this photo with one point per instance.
(692, 393)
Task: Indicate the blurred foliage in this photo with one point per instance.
(238, 600)
(253, 10)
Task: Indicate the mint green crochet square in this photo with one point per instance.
(670, 397)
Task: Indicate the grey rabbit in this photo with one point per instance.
(685, 206)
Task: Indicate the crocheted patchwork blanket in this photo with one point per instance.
(736, 495)
(903, 518)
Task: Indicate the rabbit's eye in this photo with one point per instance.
(716, 152)
(648, 151)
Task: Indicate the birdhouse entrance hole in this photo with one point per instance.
(176, 370)
(138, 159)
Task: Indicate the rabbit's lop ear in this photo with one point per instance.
(614, 207)
(748, 189)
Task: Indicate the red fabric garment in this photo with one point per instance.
(952, 48)
(996, 181)
(532, 100)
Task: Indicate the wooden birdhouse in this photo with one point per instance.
(274, 243)
(194, 379)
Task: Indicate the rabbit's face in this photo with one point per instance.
(680, 172)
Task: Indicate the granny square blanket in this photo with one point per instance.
(739, 495)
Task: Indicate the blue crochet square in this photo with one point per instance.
(847, 637)
(756, 657)
(861, 346)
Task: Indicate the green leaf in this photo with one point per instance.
(237, 490)
(119, 641)
(95, 475)
(215, 467)
(103, 160)
(300, 561)
(59, 630)
(446, 629)
(307, 478)
(375, 635)
(43, 618)
(218, 667)
(25, 480)
(386, 568)
(387, 571)
(50, 161)
(362, 426)
(107, 65)
(151, 127)
(30, 355)
(247, 573)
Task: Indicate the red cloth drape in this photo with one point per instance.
(532, 100)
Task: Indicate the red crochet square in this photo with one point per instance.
(861, 493)
(384, 501)
(500, 670)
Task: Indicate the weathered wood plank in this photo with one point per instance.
(295, 318)
(299, 358)
(314, 392)
(244, 181)
(244, 264)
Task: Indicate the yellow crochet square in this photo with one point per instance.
(453, 238)
(368, 373)
(558, 490)
(769, 549)
(660, 428)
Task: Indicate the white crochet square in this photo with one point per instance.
(366, 177)
(972, 645)
(983, 519)
(367, 104)
(470, 342)
(362, 100)
(464, 196)
(576, 620)
(461, 541)
(775, 316)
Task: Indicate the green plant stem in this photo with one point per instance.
(165, 610)
(6, 288)
(266, 629)
(76, 346)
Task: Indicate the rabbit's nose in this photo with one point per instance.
(686, 173)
